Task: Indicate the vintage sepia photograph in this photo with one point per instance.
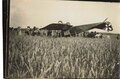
(59, 39)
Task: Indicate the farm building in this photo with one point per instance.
(56, 29)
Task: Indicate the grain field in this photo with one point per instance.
(72, 57)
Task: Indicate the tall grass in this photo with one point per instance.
(72, 57)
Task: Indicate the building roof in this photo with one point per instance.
(57, 26)
(85, 27)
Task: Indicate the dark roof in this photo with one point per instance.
(85, 27)
(75, 29)
(55, 26)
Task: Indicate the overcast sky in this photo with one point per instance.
(43, 12)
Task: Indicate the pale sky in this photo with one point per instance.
(40, 13)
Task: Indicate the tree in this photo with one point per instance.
(34, 28)
(18, 27)
(28, 27)
(68, 23)
(60, 22)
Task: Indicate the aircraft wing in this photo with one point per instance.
(86, 27)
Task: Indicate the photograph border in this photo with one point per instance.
(6, 15)
(6, 23)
